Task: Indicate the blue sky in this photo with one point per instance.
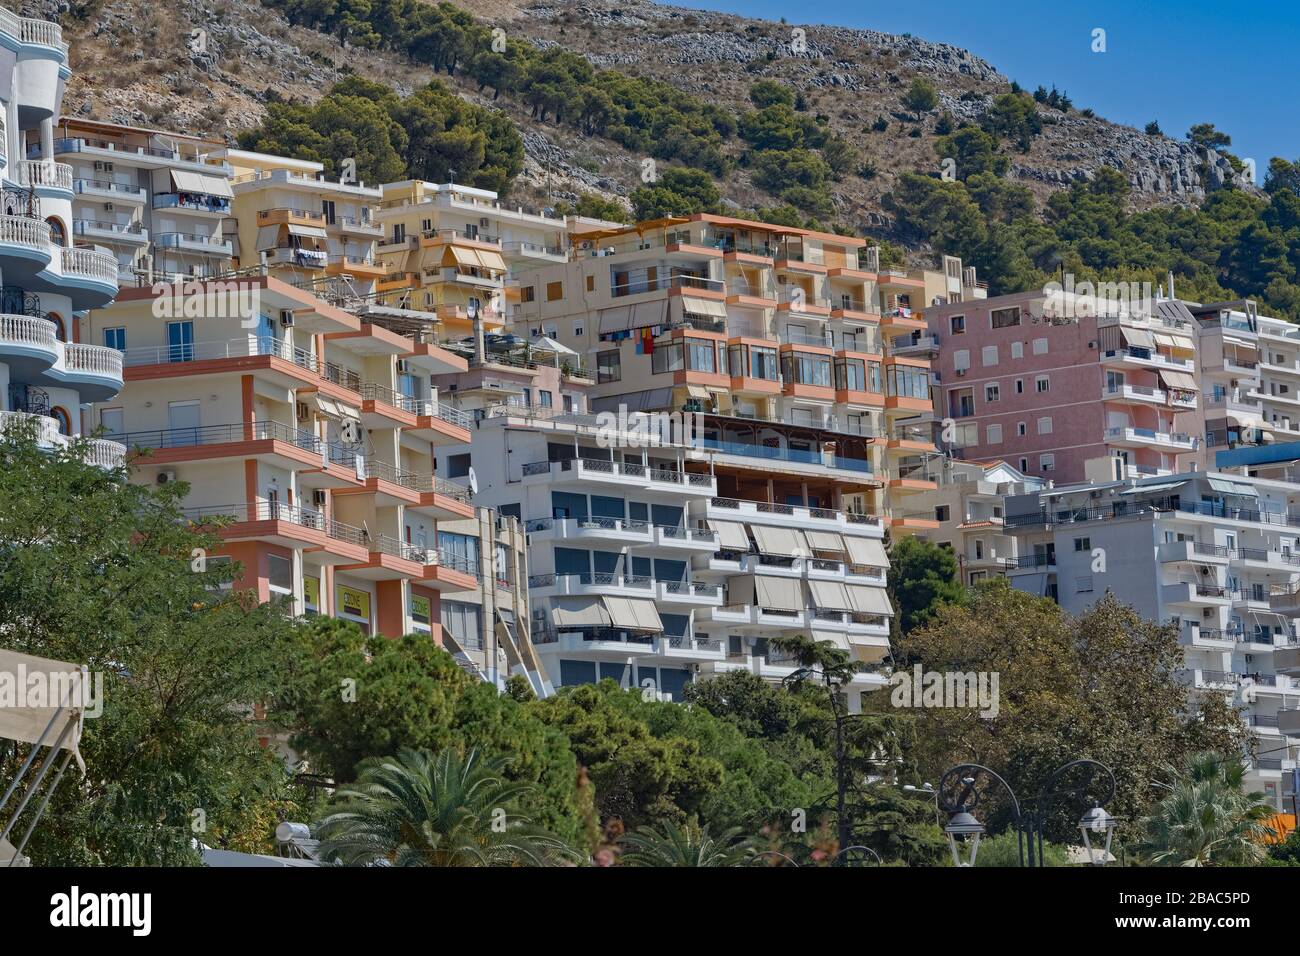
(1176, 62)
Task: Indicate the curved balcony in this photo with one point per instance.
(46, 177)
(96, 370)
(28, 345)
(90, 276)
(32, 32)
(105, 454)
(43, 428)
(26, 240)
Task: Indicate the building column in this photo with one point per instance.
(47, 139)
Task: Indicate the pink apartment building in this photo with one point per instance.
(1066, 398)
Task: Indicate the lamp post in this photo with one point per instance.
(959, 797)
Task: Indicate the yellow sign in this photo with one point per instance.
(421, 609)
(311, 592)
(354, 603)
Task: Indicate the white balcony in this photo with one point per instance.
(613, 531)
(45, 177)
(106, 190)
(1187, 594)
(588, 471)
(688, 594)
(1192, 552)
(1147, 395)
(1129, 436)
(1142, 358)
(130, 234)
(1286, 660)
(789, 516)
(598, 584)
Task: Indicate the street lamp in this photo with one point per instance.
(964, 825)
(1100, 822)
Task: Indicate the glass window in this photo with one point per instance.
(609, 367)
(115, 338)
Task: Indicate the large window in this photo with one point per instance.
(1005, 318)
(806, 368)
(905, 381)
(851, 374)
(460, 621)
(609, 366)
(701, 355)
(667, 358)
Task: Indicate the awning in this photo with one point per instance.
(825, 541)
(698, 306)
(633, 614)
(869, 600)
(491, 259)
(867, 551)
(1165, 340)
(1143, 489)
(784, 542)
(830, 595)
(698, 391)
(199, 183)
(780, 594)
(267, 237)
(1224, 486)
(580, 612)
(1179, 380)
(544, 343)
(306, 232)
(624, 317)
(466, 257)
(66, 687)
(1138, 338)
(731, 535)
(740, 590)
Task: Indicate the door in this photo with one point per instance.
(180, 341)
(182, 423)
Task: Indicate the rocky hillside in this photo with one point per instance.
(134, 63)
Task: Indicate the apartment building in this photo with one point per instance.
(287, 415)
(50, 274)
(288, 220)
(967, 508)
(1048, 385)
(156, 199)
(1215, 552)
(448, 249)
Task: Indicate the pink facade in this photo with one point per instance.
(1049, 394)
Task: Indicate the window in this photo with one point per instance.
(1017, 350)
(1083, 544)
(554, 291)
(1040, 346)
(994, 434)
(1005, 318)
(115, 338)
(578, 329)
(63, 418)
(1021, 429)
(941, 512)
(1024, 466)
(979, 549)
(180, 341)
(967, 435)
(961, 360)
(591, 283)
(458, 465)
(1042, 383)
(989, 355)
(461, 621)
(279, 573)
(1083, 585)
(110, 419)
(1045, 425)
(526, 294)
(701, 355)
(957, 325)
(992, 392)
(609, 367)
(1020, 386)
(1047, 462)
(544, 398)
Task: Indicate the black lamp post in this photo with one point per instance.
(959, 797)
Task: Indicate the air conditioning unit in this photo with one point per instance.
(286, 318)
(165, 477)
(304, 412)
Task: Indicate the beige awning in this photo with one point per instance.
(186, 182)
(698, 391)
(869, 600)
(491, 259)
(830, 595)
(825, 541)
(731, 535)
(623, 317)
(633, 614)
(1164, 339)
(867, 551)
(267, 237)
(466, 257)
(698, 306)
(1138, 338)
(306, 232)
(37, 690)
(580, 612)
(740, 590)
(785, 542)
(1178, 380)
(780, 594)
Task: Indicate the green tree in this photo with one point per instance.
(97, 571)
(419, 810)
(973, 151)
(1013, 116)
(765, 93)
(671, 845)
(1003, 850)
(1153, 129)
(1206, 136)
(1207, 817)
(678, 192)
(921, 97)
(595, 207)
(922, 576)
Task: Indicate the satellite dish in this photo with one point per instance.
(473, 481)
(350, 431)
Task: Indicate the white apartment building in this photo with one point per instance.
(1216, 552)
(49, 277)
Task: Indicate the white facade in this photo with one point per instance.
(47, 281)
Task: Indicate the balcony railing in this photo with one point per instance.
(90, 263)
(93, 360)
(41, 173)
(220, 434)
(29, 330)
(104, 185)
(275, 511)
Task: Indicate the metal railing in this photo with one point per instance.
(220, 434)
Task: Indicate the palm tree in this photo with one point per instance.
(1207, 819)
(690, 845)
(419, 810)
